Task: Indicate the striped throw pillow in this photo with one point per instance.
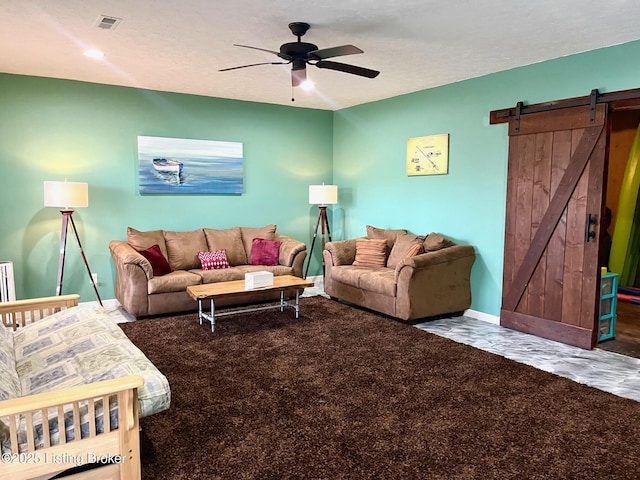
(370, 252)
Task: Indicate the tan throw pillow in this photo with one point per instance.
(435, 242)
(371, 252)
(387, 234)
(183, 248)
(407, 245)
(143, 240)
(231, 240)
(267, 232)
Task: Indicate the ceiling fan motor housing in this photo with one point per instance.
(296, 51)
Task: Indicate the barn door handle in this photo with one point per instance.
(589, 232)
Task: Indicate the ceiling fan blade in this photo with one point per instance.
(343, 67)
(256, 48)
(252, 65)
(334, 52)
(298, 76)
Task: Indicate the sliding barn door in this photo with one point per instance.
(554, 200)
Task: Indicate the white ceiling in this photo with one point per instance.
(179, 45)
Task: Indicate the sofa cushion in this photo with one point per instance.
(435, 242)
(158, 262)
(268, 232)
(265, 252)
(219, 275)
(231, 240)
(176, 281)
(388, 234)
(277, 270)
(183, 248)
(213, 260)
(143, 240)
(9, 382)
(371, 252)
(406, 245)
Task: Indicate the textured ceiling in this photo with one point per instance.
(180, 45)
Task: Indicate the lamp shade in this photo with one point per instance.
(323, 194)
(66, 194)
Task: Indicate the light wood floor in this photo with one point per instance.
(627, 340)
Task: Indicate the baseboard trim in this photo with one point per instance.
(485, 317)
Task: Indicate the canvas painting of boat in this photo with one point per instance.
(187, 166)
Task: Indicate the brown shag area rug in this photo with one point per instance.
(341, 393)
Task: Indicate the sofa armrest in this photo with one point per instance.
(123, 253)
(341, 252)
(289, 249)
(433, 283)
(133, 273)
(429, 259)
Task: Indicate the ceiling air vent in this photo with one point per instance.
(107, 23)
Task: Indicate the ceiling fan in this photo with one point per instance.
(300, 54)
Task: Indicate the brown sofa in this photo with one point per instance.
(433, 279)
(142, 293)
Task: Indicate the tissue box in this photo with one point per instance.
(258, 279)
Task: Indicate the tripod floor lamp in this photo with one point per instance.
(67, 196)
(321, 195)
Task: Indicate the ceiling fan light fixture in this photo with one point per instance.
(307, 85)
(94, 53)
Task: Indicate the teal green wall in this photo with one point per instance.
(468, 204)
(56, 129)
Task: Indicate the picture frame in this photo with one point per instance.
(187, 166)
(428, 155)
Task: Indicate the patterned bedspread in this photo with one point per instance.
(77, 346)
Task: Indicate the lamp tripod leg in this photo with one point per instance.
(63, 249)
(86, 263)
(313, 242)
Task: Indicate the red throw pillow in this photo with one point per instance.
(214, 260)
(265, 252)
(159, 264)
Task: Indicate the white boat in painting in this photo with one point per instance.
(167, 165)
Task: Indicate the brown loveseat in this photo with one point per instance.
(142, 293)
(413, 276)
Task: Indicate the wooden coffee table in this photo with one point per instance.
(235, 288)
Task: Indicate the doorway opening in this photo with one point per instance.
(623, 127)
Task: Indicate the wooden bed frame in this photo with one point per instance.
(121, 445)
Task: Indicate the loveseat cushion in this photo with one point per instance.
(183, 248)
(379, 280)
(82, 345)
(267, 232)
(407, 245)
(175, 281)
(231, 240)
(435, 241)
(9, 382)
(143, 240)
(389, 235)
